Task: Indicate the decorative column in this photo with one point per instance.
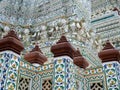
(10, 49)
(110, 59)
(36, 56)
(63, 63)
(63, 53)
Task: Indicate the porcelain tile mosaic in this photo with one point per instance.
(9, 70)
(111, 70)
(60, 75)
(18, 73)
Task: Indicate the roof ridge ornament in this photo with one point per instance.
(36, 48)
(62, 39)
(108, 45)
(12, 33)
(77, 53)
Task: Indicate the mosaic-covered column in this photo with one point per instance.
(10, 48)
(110, 59)
(36, 56)
(63, 74)
(63, 63)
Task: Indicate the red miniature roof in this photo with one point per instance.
(109, 53)
(79, 60)
(62, 48)
(35, 56)
(11, 42)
